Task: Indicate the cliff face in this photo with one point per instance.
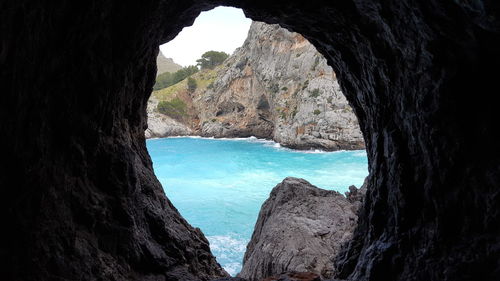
(160, 125)
(299, 228)
(277, 86)
(165, 64)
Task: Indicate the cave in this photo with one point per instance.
(79, 199)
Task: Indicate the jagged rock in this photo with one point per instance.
(300, 228)
(294, 276)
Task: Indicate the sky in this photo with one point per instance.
(220, 29)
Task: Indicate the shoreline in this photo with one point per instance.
(261, 140)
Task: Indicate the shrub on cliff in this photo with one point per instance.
(168, 79)
(175, 108)
(191, 84)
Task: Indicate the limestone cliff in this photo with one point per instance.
(300, 228)
(160, 125)
(275, 86)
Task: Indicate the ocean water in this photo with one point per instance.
(219, 185)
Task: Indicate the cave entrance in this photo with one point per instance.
(86, 205)
(273, 94)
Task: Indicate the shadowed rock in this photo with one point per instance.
(294, 276)
(300, 228)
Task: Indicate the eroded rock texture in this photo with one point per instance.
(279, 87)
(78, 197)
(300, 228)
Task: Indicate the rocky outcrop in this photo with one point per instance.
(160, 125)
(300, 228)
(276, 86)
(294, 276)
(78, 196)
(165, 64)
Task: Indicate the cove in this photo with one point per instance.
(219, 185)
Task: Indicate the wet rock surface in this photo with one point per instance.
(300, 228)
(78, 197)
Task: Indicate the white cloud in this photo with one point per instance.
(220, 29)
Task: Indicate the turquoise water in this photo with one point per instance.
(219, 185)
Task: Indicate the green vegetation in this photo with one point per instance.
(284, 89)
(211, 59)
(168, 79)
(282, 112)
(294, 112)
(315, 93)
(175, 108)
(316, 62)
(191, 84)
(203, 79)
(305, 85)
(317, 112)
(274, 88)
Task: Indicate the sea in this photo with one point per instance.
(219, 185)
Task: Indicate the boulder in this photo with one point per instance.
(300, 228)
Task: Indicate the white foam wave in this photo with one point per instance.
(271, 143)
(232, 268)
(188, 137)
(316, 151)
(360, 153)
(226, 248)
(227, 243)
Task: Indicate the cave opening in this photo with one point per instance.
(86, 205)
(274, 91)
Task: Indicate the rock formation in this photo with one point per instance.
(276, 86)
(78, 196)
(294, 276)
(160, 125)
(300, 228)
(165, 64)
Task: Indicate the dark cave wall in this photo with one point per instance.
(79, 199)
(420, 77)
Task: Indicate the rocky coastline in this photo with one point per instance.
(276, 86)
(301, 228)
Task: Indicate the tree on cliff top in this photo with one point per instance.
(211, 59)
